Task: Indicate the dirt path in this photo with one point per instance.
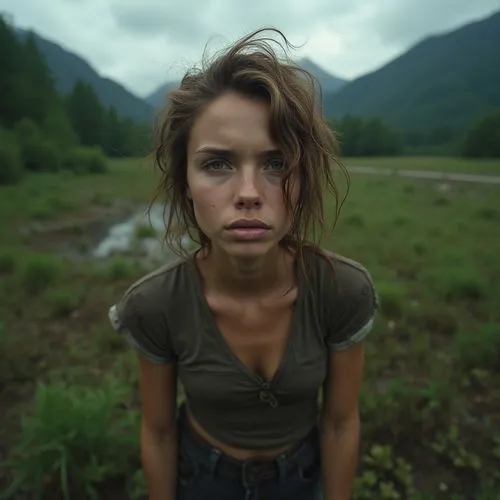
(424, 174)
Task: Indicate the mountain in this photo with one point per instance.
(328, 83)
(157, 98)
(444, 81)
(67, 68)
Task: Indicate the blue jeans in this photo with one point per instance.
(205, 473)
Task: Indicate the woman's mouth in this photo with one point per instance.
(248, 229)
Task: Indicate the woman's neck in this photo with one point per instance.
(248, 277)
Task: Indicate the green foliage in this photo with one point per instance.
(76, 439)
(86, 160)
(63, 301)
(51, 124)
(385, 477)
(483, 140)
(58, 129)
(11, 81)
(119, 268)
(480, 348)
(143, 231)
(8, 261)
(450, 446)
(458, 283)
(39, 272)
(11, 164)
(40, 155)
(366, 137)
(392, 299)
(86, 114)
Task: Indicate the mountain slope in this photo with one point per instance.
(328, 83)
(446, 80)
(157, 98)
(68, 68)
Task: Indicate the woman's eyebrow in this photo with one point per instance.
(231, 152)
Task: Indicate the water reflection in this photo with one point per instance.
(139, 235)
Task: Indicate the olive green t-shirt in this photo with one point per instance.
(166, 317)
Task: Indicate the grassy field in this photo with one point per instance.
(431, 398)
(438, 164)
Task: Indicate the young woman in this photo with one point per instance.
(258, 319)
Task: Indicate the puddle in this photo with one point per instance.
(139, 235)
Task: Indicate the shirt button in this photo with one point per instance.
(266, 385)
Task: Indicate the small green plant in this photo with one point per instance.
(63, 302)
(442, 201)
(455, 283)
(402, 220)
(137, 486)
(496, 447)
(479, 348)
(355, 220)
(449, 445)
(107, 340)
(41, 210)
(385, 477)
(119, 268)
(392, 299)
(420, 248)
(39, 272)
(143, 231)
(487, 213)
(75, 440)
(7, 261)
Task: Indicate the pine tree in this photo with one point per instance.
(40, 93)
(11, 76)
(86, 114)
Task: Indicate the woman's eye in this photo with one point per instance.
(215, 165)
(276, 165)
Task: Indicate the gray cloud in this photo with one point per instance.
(142, 43)
(404, 22)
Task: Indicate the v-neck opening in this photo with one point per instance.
(212, 324)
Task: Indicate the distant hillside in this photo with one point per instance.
(328, 82)
(157, 98)
(446, 80)
(67, 68)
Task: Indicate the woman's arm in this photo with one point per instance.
(158, 388)
(340, 426)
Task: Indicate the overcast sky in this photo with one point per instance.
(143, 43)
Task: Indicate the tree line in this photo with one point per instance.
(43, 130)
(371, 137)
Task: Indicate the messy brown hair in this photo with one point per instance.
(252, 67)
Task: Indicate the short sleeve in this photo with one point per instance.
(352, 308)
(144, 327)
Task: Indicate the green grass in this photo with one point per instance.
(437, 164)
(430, 402)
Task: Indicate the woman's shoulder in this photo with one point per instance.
(340, 272)
(155, 292)
(347, 298)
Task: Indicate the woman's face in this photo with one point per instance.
(234, 176)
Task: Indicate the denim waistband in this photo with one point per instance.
(300, 456)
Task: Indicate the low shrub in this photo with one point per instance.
(11, 164)
(39, 272)
(76, 439)
(86, 160)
